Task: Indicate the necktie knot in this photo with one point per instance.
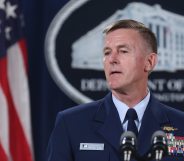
(131, 114)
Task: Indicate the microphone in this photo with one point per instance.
(159, 145)
(128, 145)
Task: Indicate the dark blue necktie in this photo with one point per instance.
(131, 116)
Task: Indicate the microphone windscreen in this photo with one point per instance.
(159, 136)
(128, 141)
(127, 134)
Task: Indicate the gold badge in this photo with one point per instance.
(169, 128)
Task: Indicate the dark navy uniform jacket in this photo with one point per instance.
(99, 123)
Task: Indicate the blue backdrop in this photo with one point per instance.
(46, 98)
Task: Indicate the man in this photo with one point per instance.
(91, 132)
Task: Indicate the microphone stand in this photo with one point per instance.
(159, 155)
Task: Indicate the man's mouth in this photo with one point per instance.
(115, 72)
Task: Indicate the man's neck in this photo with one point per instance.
(131, 99)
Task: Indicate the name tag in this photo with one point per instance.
(91, 146)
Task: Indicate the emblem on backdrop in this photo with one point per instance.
(74, 47)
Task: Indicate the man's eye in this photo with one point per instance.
(123, 51)
(106, 53)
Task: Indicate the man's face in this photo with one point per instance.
(125, 60)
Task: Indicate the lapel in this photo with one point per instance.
(110, 126)
(153, 119)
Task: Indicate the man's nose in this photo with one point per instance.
(114, 57)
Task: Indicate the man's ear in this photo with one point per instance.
(151, 61)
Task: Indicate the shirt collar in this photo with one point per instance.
(140, 107)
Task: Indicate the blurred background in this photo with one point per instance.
(52, 61)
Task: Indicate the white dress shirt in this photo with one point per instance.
(139, 108)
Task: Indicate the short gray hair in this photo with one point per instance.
(144, 31)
